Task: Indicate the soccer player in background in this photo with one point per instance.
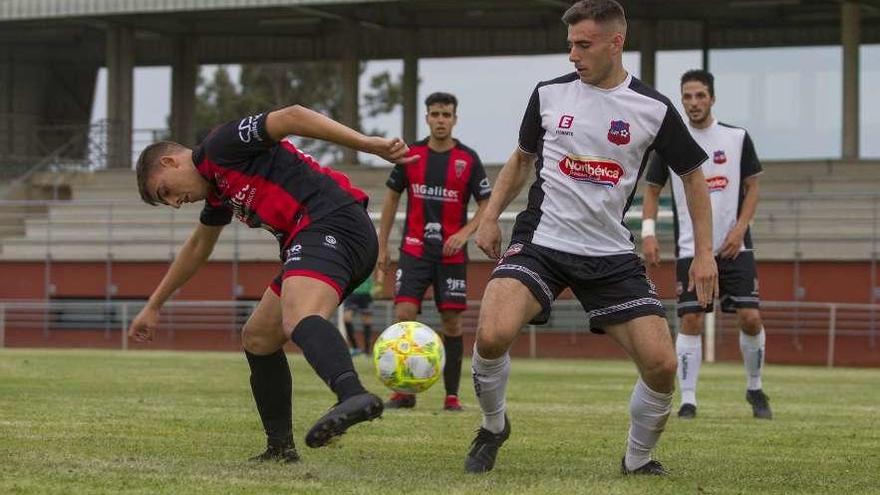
(587, 134)
(249, 169)
(732, 178)
(433, 250)
(360, 302)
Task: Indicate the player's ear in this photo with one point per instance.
(168, 161)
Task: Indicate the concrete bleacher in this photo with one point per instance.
(811, 210)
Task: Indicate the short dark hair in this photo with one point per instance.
(443, 99)
(148, 161)
(600, 11)
(702, 76)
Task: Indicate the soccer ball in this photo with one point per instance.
(409, 357)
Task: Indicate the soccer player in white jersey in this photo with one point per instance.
(732, 177)
(586, 136)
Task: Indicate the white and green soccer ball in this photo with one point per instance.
(409, 357)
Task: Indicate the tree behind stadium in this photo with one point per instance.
(316, 85)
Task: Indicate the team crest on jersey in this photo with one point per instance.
(601, 171)
(513, 249)
(719, 157)
(460, 165)
(717, 183)
(618, 133)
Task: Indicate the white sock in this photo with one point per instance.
(648, 411)
(752, 347)
(689, 349)
(490, 385)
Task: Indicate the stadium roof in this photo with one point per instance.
(233, 31)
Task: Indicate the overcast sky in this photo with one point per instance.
(789, 99)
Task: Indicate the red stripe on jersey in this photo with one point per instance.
(414, 235)
(274, 206)
(315, 275)
(341, 179)
(454, 213)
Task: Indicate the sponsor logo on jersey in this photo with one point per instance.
(456, 285)
(485, 187)
(413, 241)
(602, 171)
(717, 183)
(513, 249)
(433, 231)
(241, 205)
(294, 253)
(565, 122)
(247, 129)
(719, 157)
(330, 241)
(618, 133)
(434, 193)
(460, 165)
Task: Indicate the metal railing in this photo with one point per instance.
(201, 324)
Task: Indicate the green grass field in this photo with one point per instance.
(155, 422)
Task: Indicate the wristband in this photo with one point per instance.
(648, 227)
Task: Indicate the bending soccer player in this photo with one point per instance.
(732, 177)
(433, 250)
(587, 134)
(249, 169)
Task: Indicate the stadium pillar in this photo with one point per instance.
(184, 72)
(850, 34)
(120, 89)
(648, 52)
(410, 87)
(351, 72)
(706, 46)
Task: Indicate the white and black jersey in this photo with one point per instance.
(592, 145)
(733, 159)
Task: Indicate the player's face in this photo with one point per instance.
(441, 119)
(696, 101)
(593, 49)
(176, 181)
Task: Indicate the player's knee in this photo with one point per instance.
(660, 370)
(406, 312)
(750, 322)
(692, 323)
(451, 323)
(254, 341)
(492, 340)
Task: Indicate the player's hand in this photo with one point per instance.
(489, 238)
(454, 243)
(382, 261)
(703, 275)
(143, 327)
(392, 149)
(651, 250)
(732, 244)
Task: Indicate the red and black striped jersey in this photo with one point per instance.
(438, 187)
(266, 184)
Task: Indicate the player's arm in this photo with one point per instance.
(301, 121)
(458, 240)
(508, 185)
(703, 274)
(192, 255)
(386, 222)
(650, 205)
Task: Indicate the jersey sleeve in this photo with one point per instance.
(479, 185)
(749, 165)
(397, 180)
(676, 146)
(215, 214)
(530, 128)
(238, 141)
(658, 172)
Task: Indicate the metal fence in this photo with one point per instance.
(806, 333)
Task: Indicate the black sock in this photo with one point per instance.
(368, 334)
(326, 352)
(272, 388)
(452, 370)
(349, 330)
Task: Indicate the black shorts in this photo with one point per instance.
(359, 303)
(339, 249)
(414, 275)
(612, 289)
(737, 283)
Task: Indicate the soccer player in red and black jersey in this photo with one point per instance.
(249, 169)
(434, 246)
